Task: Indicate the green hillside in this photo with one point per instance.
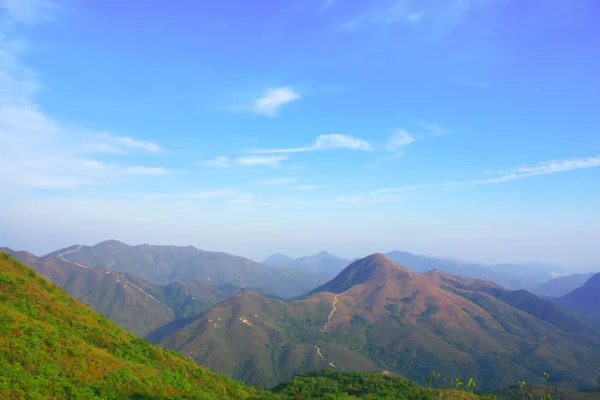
(53, 346)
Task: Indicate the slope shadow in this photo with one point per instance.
(157, 335)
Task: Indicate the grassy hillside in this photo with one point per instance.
(53, 346)
(378, 315)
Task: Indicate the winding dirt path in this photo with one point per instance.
(62, 258)
(323, 358)
(333, 310)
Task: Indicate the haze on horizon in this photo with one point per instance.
(447, 128)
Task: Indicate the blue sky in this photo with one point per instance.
(460, 128)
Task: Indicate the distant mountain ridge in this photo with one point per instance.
(586, 299)
(561, 285)
(166, 264)
(322, 263)
(377, 314)
(539, 278)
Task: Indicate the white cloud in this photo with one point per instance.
(305, 187)
(272, 100)
(107, 143)
(323, 142)
(247, 161)
(337, 141)
(268, 161)
(399, 138)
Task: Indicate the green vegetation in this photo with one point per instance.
(329, 384)
(51, 346)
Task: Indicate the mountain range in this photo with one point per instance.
(374, 315)
(52, 346)
(538, 278)
(166, 264)
(379, 315)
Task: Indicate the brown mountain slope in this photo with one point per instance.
(134, 303)
(377, 314)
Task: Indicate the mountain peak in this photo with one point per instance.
(111, 242)
(375, 268)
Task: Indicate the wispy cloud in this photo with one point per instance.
(304, 187)
(247, 202)
(433, 17)
(201, 195)
(323, 142)
(435, 129)
(246, 161)
(526, 171)
(273, 99)
(268, 161)
(400, 138)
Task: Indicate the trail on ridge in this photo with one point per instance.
(333, 310)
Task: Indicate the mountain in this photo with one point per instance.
(52, 346)
(165, 264)
(586, 299)
(379, 315)
(323, 263)
(561, 285)
(134, 303)
(278, 260)
(55, 347)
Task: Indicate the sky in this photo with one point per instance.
(457, 128)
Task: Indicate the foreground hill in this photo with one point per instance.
(586, 299)
(166, 264)
(378, 315)
(52, 346)
(322, 263)
(134, 303)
